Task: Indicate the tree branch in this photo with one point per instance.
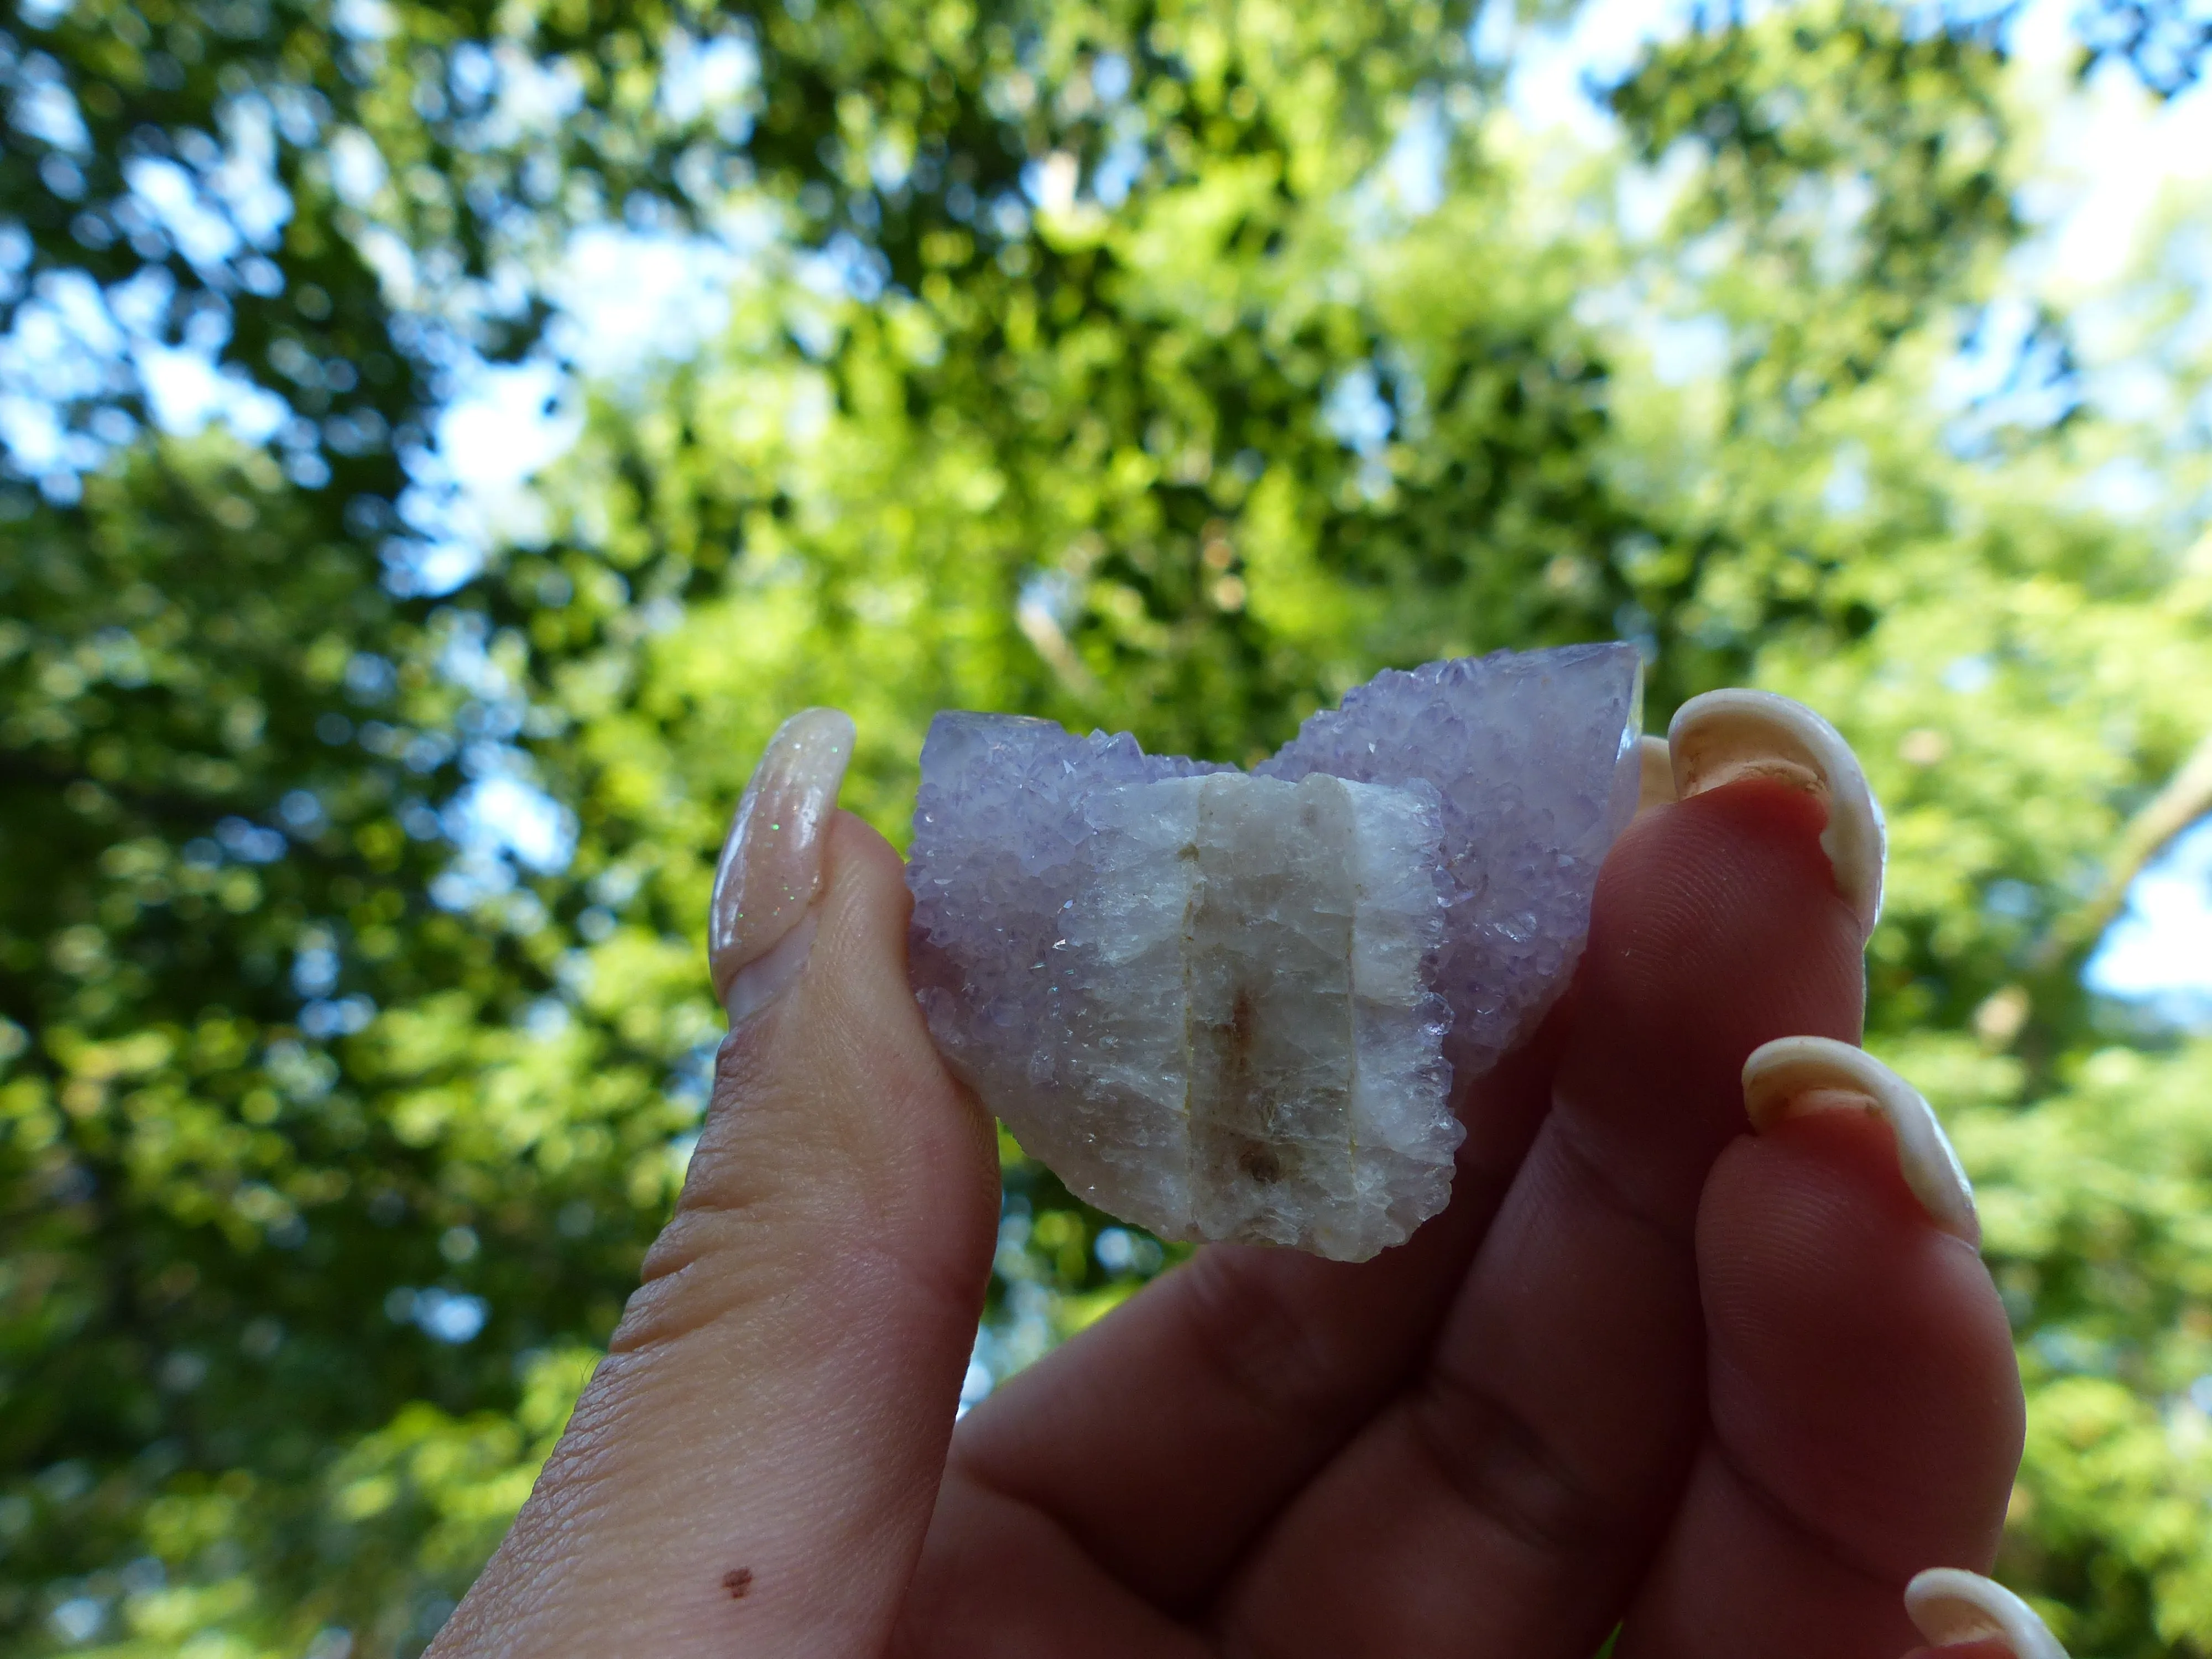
(2187, 798)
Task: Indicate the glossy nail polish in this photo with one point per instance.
(1951, 1606)
(1792, 1076)
(760, 919)
(1725, 735)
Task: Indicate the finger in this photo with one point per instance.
(1507, 1503)
(998, 1580)
(753, 1466)
(1865, 1410)
(1160, 1440)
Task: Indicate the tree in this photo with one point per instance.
(1095, 367)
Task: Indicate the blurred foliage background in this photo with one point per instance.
(1160, 364)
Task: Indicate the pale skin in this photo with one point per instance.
(1732, 1388)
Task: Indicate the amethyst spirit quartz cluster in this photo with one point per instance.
(1233, 1005)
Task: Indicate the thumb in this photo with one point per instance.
(754, 1464)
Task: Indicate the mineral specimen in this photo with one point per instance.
(1231, 1006)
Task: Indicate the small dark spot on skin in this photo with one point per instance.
(737, 1581)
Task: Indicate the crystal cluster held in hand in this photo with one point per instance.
(1232, 1007)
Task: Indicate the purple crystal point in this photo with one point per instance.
(1535, 754)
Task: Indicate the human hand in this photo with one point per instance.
(1734, 1388)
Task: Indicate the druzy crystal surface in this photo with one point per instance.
(1535, 754)
(1229, 1006)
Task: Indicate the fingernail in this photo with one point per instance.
(1726, 735)
(1951, 1607)
(1792, 1076)
(1656, 786)
(760, 922)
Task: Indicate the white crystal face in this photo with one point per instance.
(1216, 1005)
(1264, 1063)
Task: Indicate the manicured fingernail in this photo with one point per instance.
(1792, 1076)
(1951, 1608)
(760, 921)
(1726, 735)
(1656, 786)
